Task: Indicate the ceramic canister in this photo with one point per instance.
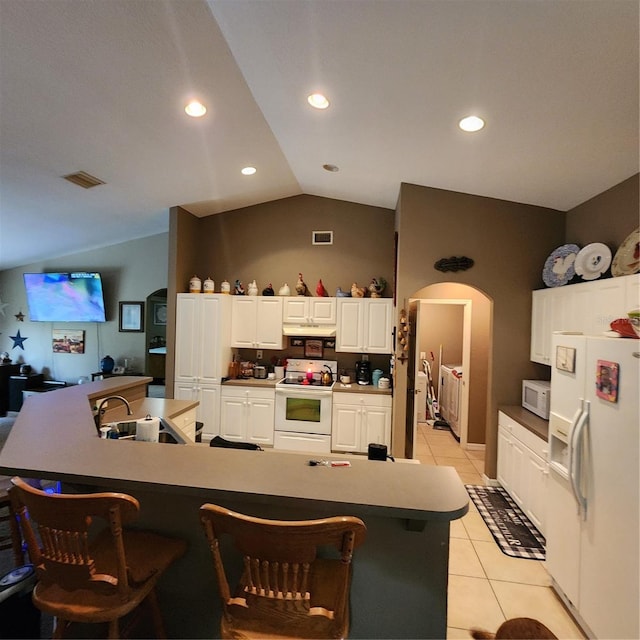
(195, 285)
(209, 285)
(375, 377)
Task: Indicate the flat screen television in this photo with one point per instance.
(65, 297)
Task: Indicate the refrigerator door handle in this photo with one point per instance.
(576, 449)
(572, 430)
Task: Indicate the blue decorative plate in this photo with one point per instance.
(559, 266)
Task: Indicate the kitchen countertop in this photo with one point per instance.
(407, 507)
(354, 387)
(528, 420)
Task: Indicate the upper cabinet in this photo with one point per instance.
(307, 310)
(587, 307)
(364, 325)
(256, 322)
(202, 337)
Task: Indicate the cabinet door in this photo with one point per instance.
(377, 326)
(233, 417)
(349, 325)
(518, 472)
(322, 310)
(268, 323)
(209, 339)
(376, 427)
(504, 459)
(209, 411)
(188, 327)
(260, 421)
(345, 427)
(540, 326)
(295, 310)
(243, 322)
(536, 490)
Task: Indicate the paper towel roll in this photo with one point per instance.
(148, 429)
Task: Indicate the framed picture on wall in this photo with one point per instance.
(66, 341)
(131, 316)
(313, 349)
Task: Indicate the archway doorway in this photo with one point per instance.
(469, 311)
(156, 335)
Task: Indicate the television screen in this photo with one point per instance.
(65, 297)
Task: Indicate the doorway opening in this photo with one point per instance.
(451, 329)
(156, 336)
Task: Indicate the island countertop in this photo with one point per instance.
(54, 437)
(407, 508)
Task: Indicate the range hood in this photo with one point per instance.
(309, 330)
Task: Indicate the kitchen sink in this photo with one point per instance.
(167, 435)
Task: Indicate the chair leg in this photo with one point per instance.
(114, 630)
(60, 626)
(156, 615)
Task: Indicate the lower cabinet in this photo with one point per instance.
(360, 419)
(208, 411)
(187, 423)
(523, 469)
(247, 414)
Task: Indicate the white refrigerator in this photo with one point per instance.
(593, 537)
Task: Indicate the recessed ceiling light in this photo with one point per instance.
(471, 124)
(318, 101)
(248, 171)
(195, 109)
(330, 167)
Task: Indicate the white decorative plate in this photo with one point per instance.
(593, 260)
(559, 266)
(627, 258)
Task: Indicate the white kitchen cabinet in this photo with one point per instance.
(358, 420)
(364, 325)
(522, 468)
(203, 353)
(307, 310)
(186, 422)
(208, 410)
(256, 322)
(247, 414)
(203, 342)
(586, 307)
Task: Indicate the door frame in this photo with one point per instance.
(467, 305)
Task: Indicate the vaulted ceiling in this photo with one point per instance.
(100, 86)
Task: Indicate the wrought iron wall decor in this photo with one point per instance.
(454, 263)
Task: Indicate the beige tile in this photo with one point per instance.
(471, 478)
(463, 560)
(478, 465)
(457, 530)
(499, 566)
(426, 458)
(475, 454)
(461, 465)
(447, 451)
(476, 528)
(541, 603)
(472, 603)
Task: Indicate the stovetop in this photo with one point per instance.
(308, 373)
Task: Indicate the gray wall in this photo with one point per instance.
(131, 271)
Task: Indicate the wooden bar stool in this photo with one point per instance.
(10, 537)
(82, 578)
(285, 591)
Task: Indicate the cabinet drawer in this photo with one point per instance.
(367, 399)
(248, 392)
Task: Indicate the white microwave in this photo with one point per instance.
(536, 397)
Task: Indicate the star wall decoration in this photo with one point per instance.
(18, 340)
(19, 317)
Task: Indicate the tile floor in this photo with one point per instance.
(486, 586)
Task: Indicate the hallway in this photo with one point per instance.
(486, 586)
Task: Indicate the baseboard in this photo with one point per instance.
(490, 482)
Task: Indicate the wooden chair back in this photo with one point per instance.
(10, 536)
(281, 560)
(60, 551)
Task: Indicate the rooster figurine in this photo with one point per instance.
(301, 287)
(239, 289)
(268, 291)
(356, 291)
(321, 292)
(377, 286)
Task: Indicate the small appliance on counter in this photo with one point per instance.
(536, 397)
(363, 372)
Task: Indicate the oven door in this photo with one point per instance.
(300, 410)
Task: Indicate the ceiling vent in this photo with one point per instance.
(322, 237)
(84, 180)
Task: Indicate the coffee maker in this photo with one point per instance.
(363, 372)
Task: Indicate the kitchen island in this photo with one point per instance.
(399, 587)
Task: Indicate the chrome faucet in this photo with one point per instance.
(100, 411)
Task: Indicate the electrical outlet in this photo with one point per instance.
(259, 354)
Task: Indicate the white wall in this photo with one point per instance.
(131, 271)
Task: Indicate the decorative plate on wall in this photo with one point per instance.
(559, 266)
(627, 258)
(593, 260)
